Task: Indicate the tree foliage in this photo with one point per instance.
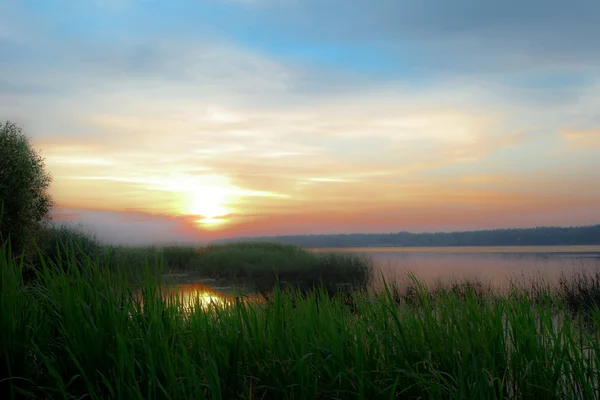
(24, 199)
(541, 236)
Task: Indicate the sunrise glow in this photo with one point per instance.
(203, 121)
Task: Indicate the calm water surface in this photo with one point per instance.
(496, 265)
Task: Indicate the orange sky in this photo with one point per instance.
(157, 131)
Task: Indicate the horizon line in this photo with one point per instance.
(412, 233)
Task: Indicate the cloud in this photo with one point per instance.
(508, 33)
(582, 138)
(151, 120)
(224, 107)
(121, 149)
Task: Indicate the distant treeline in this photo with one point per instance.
(543, 236)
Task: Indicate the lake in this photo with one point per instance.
(496, 265)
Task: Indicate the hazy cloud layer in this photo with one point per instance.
(306, 116)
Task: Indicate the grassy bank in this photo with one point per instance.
(81, 331)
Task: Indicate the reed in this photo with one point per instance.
(84, 331)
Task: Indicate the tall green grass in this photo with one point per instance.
(84, 332)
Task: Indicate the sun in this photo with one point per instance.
(209, 203)
(207, 199)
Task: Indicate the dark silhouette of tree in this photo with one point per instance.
(24, 200)
(542, 236)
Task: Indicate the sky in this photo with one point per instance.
(193, 120)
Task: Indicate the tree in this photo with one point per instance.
(24, 200)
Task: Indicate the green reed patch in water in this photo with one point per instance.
(260, 264)
(83, 333)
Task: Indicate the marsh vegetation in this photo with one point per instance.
(86, 326)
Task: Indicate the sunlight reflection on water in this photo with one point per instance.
(192, 295)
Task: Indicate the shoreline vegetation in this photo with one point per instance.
(90, 321)
(541, 236)
(82, 320)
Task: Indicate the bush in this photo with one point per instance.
(24, 201)
(65, 242)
